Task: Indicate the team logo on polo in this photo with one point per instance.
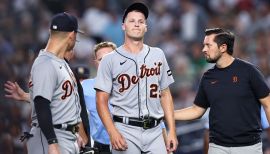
(125, 80)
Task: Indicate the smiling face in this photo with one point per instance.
(135, 25)
(210, 49)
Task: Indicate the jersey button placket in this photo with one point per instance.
(143, 95)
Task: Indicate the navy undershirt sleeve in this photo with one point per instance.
(44, 117)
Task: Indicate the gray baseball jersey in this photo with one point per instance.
(52, 78)
(134, 81)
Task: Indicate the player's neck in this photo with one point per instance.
(57, 48)
(225, 61)
(133, 46)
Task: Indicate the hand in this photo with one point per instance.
(82, 133)
(53, 149)
(267, 151)
(172, 142)
(117, 141)
(15, 92)
(80, 141)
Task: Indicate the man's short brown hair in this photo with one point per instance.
(104, 45)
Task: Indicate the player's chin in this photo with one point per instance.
(137, 38)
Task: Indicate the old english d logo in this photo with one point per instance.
(234, 79)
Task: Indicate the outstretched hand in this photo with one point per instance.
(15, 92)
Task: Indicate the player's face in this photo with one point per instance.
(210, 49)
(101, 53)
(135, 25)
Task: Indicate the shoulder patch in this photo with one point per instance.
(169, 72)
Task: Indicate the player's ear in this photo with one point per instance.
(223, 48)
(123, 27)
(72, 35)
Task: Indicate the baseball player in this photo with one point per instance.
(136, 78)
(53, 92)
(14, 91)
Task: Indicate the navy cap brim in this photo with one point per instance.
(81, 32)
(138, 7)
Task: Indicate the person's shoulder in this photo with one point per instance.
(211, 69)
(43, 62)
(242, 62)
(245, 65)
(158, 52)
(110, 55)
(155, 49)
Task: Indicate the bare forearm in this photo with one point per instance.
(105, 117)
(266, 106)
(169, 117)
(168, 108)
(167, 105)
(104, 112)
(190, 113)
(164, 134)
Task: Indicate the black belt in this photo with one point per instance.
(146, 123)
(102, 147)
(72, 128)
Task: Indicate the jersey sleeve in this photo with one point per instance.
(44, 79)
(201, 99)
(166, 74)
(258, 83)
(104, 77)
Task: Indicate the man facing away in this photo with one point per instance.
(136, 78)
(53, 92)
(234, 90)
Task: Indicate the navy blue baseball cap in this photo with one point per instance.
(138, 7)
(64, 22)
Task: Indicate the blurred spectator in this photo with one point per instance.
(82, 72)
(96, 17)
(193, 21)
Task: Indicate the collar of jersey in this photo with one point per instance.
(133, 56)
(51, 55)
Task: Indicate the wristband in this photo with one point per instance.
(52, 141)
